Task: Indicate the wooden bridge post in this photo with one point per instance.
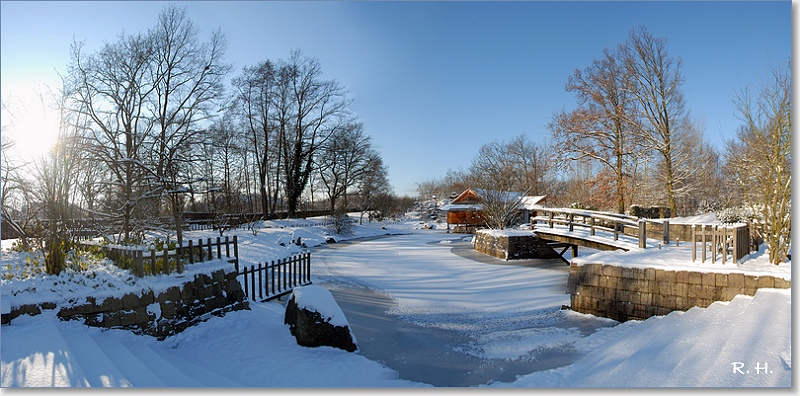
(591, 221)
(642, 234)
(571, 220)
(666, 231)
(694, 242)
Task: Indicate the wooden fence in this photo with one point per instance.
(611, 223)
(726, 241)
(143, 260)
(269, 281)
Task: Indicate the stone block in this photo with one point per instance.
(174, 293)
(218, 276)
(721, 280)
(147, 298)
(187, 292)
(765, 282)
(682, 277)
(612, 270)
(661, 311)
(665, 276)
(750, 282)
(695, 278)
(680, 289)
(129, 301)
(736, 280)
(168, 310)
(650, 274)
(127, 318)
(142, 317)
(629, 273)
(110, 319)
(781, 283)
(709, 279)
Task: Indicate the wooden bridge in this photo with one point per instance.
(570, 228)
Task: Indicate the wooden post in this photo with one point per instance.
(571, 219)
(139, 262)
(591, 221)
(642, 234)
(616, 231)
(666, 231)
(227, 247)
(219, 249)
(550, 218)
(153, 260)
(694, 242)
(210, 252)
(703, 238)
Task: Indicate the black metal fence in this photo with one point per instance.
(269, 281)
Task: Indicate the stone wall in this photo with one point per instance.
(158, 314)
(639, 293)
(513, 246)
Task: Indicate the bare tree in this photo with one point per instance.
(600, 128)
(55, 176)
(188, 79)
(315, 108)
(762, 153)
(255, 100)
(110, 88)
(372, 182)
(657, 81)
(500, 208)
(343, 160)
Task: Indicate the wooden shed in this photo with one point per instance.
(464, 213)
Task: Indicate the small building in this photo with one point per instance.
(464, 213)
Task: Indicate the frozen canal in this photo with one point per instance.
(429, 307)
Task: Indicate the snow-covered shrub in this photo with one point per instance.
(341, 223)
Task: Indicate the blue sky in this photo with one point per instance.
(433, 81)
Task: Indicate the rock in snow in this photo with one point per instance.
(315, 319)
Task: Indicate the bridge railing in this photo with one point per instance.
(724, 240)
(612, 223)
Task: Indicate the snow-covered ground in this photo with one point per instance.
(503, 308)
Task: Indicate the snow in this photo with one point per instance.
(679, 258)
(508, 309)
(319, 299)
(506, 232)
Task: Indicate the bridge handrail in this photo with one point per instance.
(566, 216)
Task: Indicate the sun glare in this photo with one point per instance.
(29, 120)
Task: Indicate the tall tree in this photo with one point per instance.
(343, 160)
(600, 128)
(255, 100)
(762, 154)
(110, 88)
(656, 85)
(315, 110)
(188, 78)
